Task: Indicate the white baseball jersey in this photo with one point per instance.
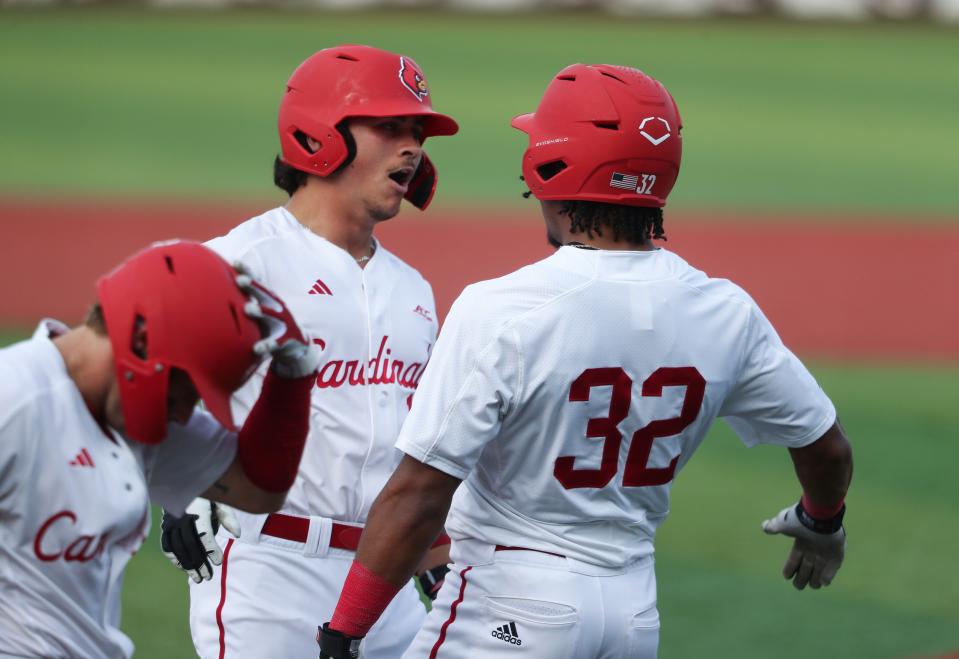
(376, 326)
(74, 504)
(569, 393)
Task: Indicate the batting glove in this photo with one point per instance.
(432, 580)
(337, 645)
(189, 542)
(818, 548)
(294, 355)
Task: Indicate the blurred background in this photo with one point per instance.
(821, 145)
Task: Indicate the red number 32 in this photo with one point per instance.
(636, 473)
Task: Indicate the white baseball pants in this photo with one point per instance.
(268, 598)
(519, 603)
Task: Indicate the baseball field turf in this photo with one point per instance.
(809, 123)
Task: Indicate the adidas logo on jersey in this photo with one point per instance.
(319, 288)
(507, 633)
(83, 459)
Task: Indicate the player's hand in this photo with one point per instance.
(818, 548)
(189, 542)
(337, 645)
(294, 355)
(431, 580)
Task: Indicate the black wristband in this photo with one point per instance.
(337, 645)
(824, 526)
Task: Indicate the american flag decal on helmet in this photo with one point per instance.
(624, 181)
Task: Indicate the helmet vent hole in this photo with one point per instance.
(610, 75)
(608, 125)
(550, 169)
(570, 78)
(169, 264)
(348, 58)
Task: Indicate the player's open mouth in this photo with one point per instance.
(401, 177)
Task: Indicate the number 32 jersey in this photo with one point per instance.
(569, 394)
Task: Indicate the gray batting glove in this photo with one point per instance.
(294, 355)
(189, 542)
(816, 555)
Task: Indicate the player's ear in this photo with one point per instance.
(312, 145)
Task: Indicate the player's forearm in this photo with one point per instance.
(824, 468)
(398, 533)
(405, 519)
(395, 542)
(234, 488)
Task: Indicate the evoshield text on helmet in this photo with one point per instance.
(186, 298)
(603, 133)
(355, 81)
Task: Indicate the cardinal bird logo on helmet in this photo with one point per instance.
(412, 78)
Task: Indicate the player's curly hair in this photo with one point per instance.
(634, 224)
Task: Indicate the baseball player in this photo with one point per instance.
(98, 420)
(352, 124)
(568, 395)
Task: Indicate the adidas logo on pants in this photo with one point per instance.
(507, 633)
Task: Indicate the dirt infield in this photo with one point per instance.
(835, 291)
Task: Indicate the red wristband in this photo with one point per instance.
(821, 512)
(364, 597)
(271, 441)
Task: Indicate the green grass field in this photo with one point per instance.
(721, 594)
(777, 115)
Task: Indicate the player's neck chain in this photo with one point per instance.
(364, 259)
(582, 246)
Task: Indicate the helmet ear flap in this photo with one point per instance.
(420, 190)
(296, 126)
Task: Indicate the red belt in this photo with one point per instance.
(296, 529)
(504, 548)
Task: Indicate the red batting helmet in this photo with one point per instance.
(356, 81)
(187, 299)
(603, 133)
